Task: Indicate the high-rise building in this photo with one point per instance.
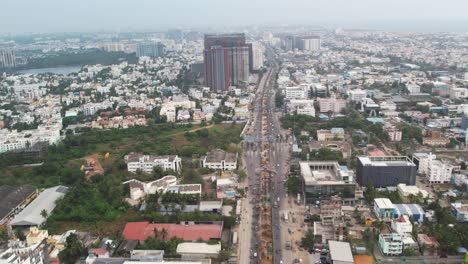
(289, 43)
(228, 60)
(257, 54)
(217, 68)
(309, 43)
(7, 59)
(153, 50)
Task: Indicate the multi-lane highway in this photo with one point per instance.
(275, 141)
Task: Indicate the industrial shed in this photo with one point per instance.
(31, 214)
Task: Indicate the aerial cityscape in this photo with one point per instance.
(234, 137)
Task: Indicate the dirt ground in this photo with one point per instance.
(93, 161)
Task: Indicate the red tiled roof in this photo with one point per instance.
(143, 230)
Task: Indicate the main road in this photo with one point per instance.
(279, 153)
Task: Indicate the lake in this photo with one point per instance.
(56, 70)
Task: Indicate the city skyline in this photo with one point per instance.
(79, 16)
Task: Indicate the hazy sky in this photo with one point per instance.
(18, 16)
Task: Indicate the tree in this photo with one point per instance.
(73, 250)
(3, 234)
(409, 252)
(20, 234)
(44, 214)
(293, 184)
(242, 175)
(164, 234)
(309, 239)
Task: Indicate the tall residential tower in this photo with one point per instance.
(227, 60)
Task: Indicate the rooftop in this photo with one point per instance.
(12, 197)
(322, 173)
(340, 251)
(31, 215)
(384, 203)
(386, 161)
(191, 232)
(217, 155)
(198, 248)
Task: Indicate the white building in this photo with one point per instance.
(220, 160)
(257, 54)
(297, 92)
(458, 93)
(13, 140)
(301, 107)
(169, 112)
(402, 225)
(146, 163)
(460, 211)
(407, 190)
(92, 108)
(394, 134)
(139, 189)
(439, 172)
(390, 244)
(423, 160)
(356, 95)
(413, 88)
(197, 250)
(19, 253)
(331, 105)
(311, 43)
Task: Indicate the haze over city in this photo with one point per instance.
(113, 15)
(233, 132)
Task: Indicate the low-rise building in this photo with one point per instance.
(460, 211)
(384, 209)
(146, 163)
(402, 225)
(323, 179)
(340, 252)
(330, 212)
(429, 245)
(331, 105)
(406, 190)
(32, 214)
(187, 231)
(14, 199)
(139, 189)
(390, 244)
(198, 250)
(219, 159)
(297, 92)
(36, 235)
(19, 253)
(336, 133)
(436, 141)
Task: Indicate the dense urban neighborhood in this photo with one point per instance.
(260, 145)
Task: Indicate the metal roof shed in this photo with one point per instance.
(31, 215)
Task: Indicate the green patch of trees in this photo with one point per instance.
(80, 58)
(409, 132)
(73, 250)
(371, 193)
(293, 184)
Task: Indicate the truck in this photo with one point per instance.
(286, 217)
(288, 244)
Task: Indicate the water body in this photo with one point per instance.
(56, 70)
